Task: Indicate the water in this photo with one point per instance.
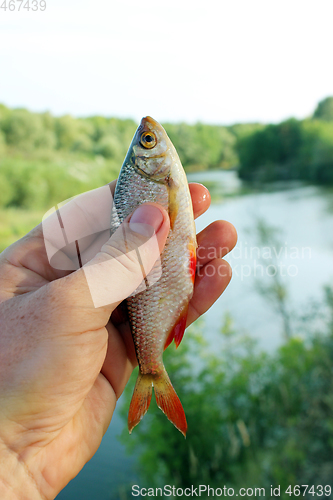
(304, 219)
(304, 216)
(107, 475)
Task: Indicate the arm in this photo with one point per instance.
(65, 362)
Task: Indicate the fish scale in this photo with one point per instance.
(158, 313)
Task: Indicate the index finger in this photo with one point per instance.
(83, 224)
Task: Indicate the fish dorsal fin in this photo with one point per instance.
(178, 330)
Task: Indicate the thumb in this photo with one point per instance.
(127, 262)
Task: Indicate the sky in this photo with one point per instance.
(216, 61)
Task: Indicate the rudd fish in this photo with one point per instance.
(152, 172)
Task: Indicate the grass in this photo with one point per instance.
(15, 223)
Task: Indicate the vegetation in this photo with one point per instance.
(15, 223)
(45, 159)
(203, 147)
(254, 419)
(291, 150)
(324, 110)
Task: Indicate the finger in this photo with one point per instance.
(200, 198)
(89, 213)
(215, 241)
(94, 204)
(199, 194)
(76, 231)
(80, 219)
(89, 247)
(210, 282)
(86, 214)
(87, 219)
(112, 186)
(84, 223)
(120, 357)
(122, 266)
(55, 239)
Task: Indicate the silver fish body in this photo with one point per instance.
(158, 313)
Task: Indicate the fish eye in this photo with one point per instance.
(148, 140)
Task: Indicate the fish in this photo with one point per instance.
(152, 172)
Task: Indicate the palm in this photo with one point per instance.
(79, 366)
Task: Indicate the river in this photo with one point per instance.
(303, 218)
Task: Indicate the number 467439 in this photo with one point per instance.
(302, 490)
(18, 5)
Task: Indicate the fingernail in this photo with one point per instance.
(146, 215)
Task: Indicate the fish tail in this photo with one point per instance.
(140, 400)
(168, 401)
(166, 398)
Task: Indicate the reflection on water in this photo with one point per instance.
(328, 195)
(305, 255)
(221, 183)
(107, 475)
(304, 216)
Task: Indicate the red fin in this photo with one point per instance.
(178, 330)
(140, 400)
(169, 339)
(169, 402)
(193, 261)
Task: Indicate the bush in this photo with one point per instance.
(253, 419)
(37, 184)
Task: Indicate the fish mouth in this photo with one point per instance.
(148, 123)
(148, 119)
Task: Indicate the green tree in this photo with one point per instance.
(74, 134)
(271, 153)
(316, 153)
(2, 143)
(324, 110)
(4, 113)
(23, 130)
(202, 146)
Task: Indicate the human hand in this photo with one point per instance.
(63, 362)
